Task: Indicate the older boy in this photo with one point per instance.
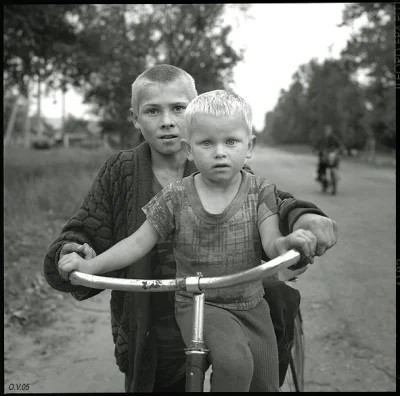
(148, 345)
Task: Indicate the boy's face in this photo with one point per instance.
(161, 108)
(219, 146)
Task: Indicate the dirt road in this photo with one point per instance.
(348, 298)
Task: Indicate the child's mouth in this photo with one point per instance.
(165, 137)
(221, 166)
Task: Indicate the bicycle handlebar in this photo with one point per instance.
(192, 284)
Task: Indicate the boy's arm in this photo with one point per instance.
(291, 209)
(275, 244)
(122, 254)
(92, 224)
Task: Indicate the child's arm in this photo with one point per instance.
(122, 254)
(274, 244)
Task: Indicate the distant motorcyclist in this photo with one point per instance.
(328, 143)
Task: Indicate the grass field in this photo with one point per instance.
(42, 189)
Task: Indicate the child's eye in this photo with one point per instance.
(179, 108)
(206, 143)
(231, 142)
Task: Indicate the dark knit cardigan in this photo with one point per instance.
(112, 210)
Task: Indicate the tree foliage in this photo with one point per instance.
(101, 48)
(320, 93)
(119, 41)
(37, 42)
(331, 91)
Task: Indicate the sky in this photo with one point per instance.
(278, 38)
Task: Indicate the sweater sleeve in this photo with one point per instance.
(290, 209)
(92, 224)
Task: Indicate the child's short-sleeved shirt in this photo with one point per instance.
(215, 244)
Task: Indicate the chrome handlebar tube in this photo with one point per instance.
(194, 284)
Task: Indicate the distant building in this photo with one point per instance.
(76, 133)
(84, 134)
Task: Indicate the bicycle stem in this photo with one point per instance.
(196, 352)
(198, 318)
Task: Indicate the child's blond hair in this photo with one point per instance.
(162, 74)
(218, 103)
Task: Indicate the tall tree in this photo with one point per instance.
(38, 44)
(320, 93)
(371, 50)
(36, 41)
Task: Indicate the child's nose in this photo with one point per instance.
(220, 151)
(167, 120)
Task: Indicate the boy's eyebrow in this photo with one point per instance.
(172, 104)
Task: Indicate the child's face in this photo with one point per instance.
(160, 116)
(219, 146)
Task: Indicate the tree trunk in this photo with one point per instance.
(63, 114)
(39, 115)
(11, 122)
(27, 131)
(372, 149)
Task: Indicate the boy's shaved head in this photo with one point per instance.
(162, 74)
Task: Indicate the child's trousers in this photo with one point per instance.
(242, 346)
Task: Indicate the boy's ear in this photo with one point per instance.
(250, 147)
(186, 146)
(134, 119)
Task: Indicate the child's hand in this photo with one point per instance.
(73, 261)
(303, 240)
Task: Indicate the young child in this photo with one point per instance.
(220, 219)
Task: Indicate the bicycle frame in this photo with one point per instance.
(196, 352)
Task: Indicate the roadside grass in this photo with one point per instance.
(42, 190)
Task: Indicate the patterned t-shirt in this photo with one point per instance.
(215, 244)
(171, 358)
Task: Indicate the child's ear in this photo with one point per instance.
(186, 146)
(250, 147)
(135, 119)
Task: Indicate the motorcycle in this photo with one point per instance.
(328, 172)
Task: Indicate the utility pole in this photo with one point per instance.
(38, 116)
